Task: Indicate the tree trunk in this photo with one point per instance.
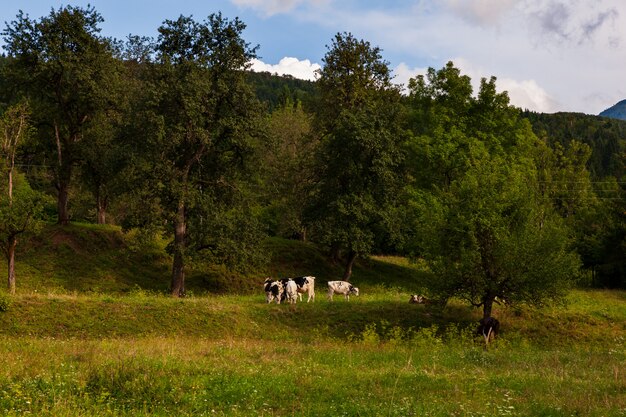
(65, 175)
(334, 254)
(348, 271)
(487, 307)
(62, 199)
(102, 203)
(178, 269)
(12, 243)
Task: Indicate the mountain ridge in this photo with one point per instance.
(617, 111)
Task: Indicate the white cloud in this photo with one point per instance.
(272, 7)
(304, 69)
(481, 12)
(402, 74)
(527, 94)
(268, 8)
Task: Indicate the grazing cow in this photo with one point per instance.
(488, 328)
(291, 291)
(273, 290)
(341, 287)
(305, 284)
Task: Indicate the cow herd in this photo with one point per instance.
(290, 289)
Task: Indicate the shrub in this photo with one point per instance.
(5, 303)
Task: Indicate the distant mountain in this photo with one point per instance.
(617, 111)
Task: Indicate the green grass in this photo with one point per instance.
(92, 333)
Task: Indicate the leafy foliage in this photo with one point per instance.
(199, 117)
(68, 71)
(359, 159)
(483, 226)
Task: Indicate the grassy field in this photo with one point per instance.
(103, 340)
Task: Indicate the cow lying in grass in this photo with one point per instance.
(341, 287)
(419, 299)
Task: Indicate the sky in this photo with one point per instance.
(550, 55)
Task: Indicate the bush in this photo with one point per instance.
(5, 303)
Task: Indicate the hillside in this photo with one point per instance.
(617, 111)
(605, 136)
(89, 258)
(274, 90)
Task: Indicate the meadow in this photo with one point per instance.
(107, 343)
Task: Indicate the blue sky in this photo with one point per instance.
(550, 55)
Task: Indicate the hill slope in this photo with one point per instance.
(89, 258)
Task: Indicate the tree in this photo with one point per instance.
(288, 168)
(192, 135)
(359, 160)
(483, 224)
(68, 71)
(490, 236)
(19, 204)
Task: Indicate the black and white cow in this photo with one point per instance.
(273, 290)
(305, 284)
(341, 287)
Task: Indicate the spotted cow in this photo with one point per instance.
(341, 287)
(273, 290)
(305, 284)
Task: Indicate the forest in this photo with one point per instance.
(174, 136)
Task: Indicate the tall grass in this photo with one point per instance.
(91, 333)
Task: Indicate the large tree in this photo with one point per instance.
(193, 131)
(359, 158)
(68, 71)
(482, 222)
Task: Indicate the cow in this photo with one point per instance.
(291, 291)
(419, 299)
(488, 328)
(305, 284)
(341, 287)
(416, 299)
(273, 290)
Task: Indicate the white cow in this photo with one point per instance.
(341, 287)
(291, 289)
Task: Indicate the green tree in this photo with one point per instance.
(359, 159)
(19, 204)
(289, 169)
(481, 221)
(197, 121)
(68, 71)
